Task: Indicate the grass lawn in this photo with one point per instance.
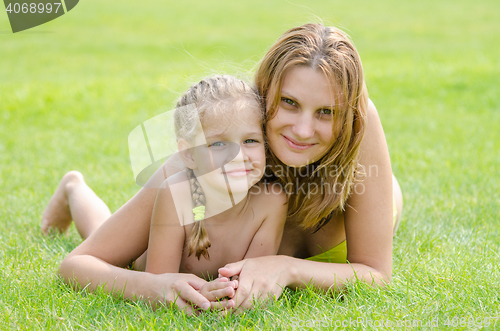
(71, 91)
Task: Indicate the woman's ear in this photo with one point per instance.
(185, 152)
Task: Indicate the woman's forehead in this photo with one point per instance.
(306, 82)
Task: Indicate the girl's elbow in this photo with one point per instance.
(65, 269)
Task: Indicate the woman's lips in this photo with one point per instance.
(296, 145)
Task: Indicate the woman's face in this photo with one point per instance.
(300, 133)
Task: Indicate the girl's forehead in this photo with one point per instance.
(249, 126)
(232, 115)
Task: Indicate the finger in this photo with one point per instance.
(176, 302)
(186, 307)
(242, 293)
(231, 269)
(216, 285)
(222, 304)
(236, 284)
(218, 294)
(196, 282)
(189, 294)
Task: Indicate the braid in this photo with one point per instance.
(198, 241)
(219, 99)
(196, 190)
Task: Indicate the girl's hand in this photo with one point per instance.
(259, 279)
(180, 290)
(218, 289)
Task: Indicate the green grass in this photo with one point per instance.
(72, 89)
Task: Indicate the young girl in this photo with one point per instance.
(216, 211)
(222, 212)
(320, 122)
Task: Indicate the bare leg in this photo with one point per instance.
(74, 200)
(398, 198)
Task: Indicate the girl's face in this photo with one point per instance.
(233, 153)
(300, 133)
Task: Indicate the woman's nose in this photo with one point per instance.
(304, 127)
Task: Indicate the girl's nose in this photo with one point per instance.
(241, 157)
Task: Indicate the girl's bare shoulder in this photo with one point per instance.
(180, 194)
(180, 177)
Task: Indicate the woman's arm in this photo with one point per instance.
(368, 226)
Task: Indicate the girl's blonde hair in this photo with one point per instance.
(330, 50)
(215, 100)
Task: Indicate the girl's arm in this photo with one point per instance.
(166, 239)
(368, 226)
(100, 260)
(268, 237)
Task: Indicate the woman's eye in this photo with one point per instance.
(326, 111)
(289, 101)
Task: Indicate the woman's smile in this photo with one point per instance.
(297, 145)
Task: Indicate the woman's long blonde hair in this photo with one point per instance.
(214, 100)
(330, 50)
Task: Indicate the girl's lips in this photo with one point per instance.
(237, 172)
(296, 145)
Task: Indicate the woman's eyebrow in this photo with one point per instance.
(288, 95)
(285, 94)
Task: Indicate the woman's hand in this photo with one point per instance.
(260, 278)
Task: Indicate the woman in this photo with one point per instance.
(321, 129)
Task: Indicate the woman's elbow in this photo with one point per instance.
(377, 278)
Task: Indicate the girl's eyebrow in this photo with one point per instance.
(251, 133)
(218, 134)
(214, 135)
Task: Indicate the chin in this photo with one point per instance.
(295, 161)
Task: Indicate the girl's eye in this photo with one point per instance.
(251, 141)
(289, 101)
(217, 144)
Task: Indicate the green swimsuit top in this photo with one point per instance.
(338, 254)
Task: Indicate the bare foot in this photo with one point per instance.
(57, 215)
